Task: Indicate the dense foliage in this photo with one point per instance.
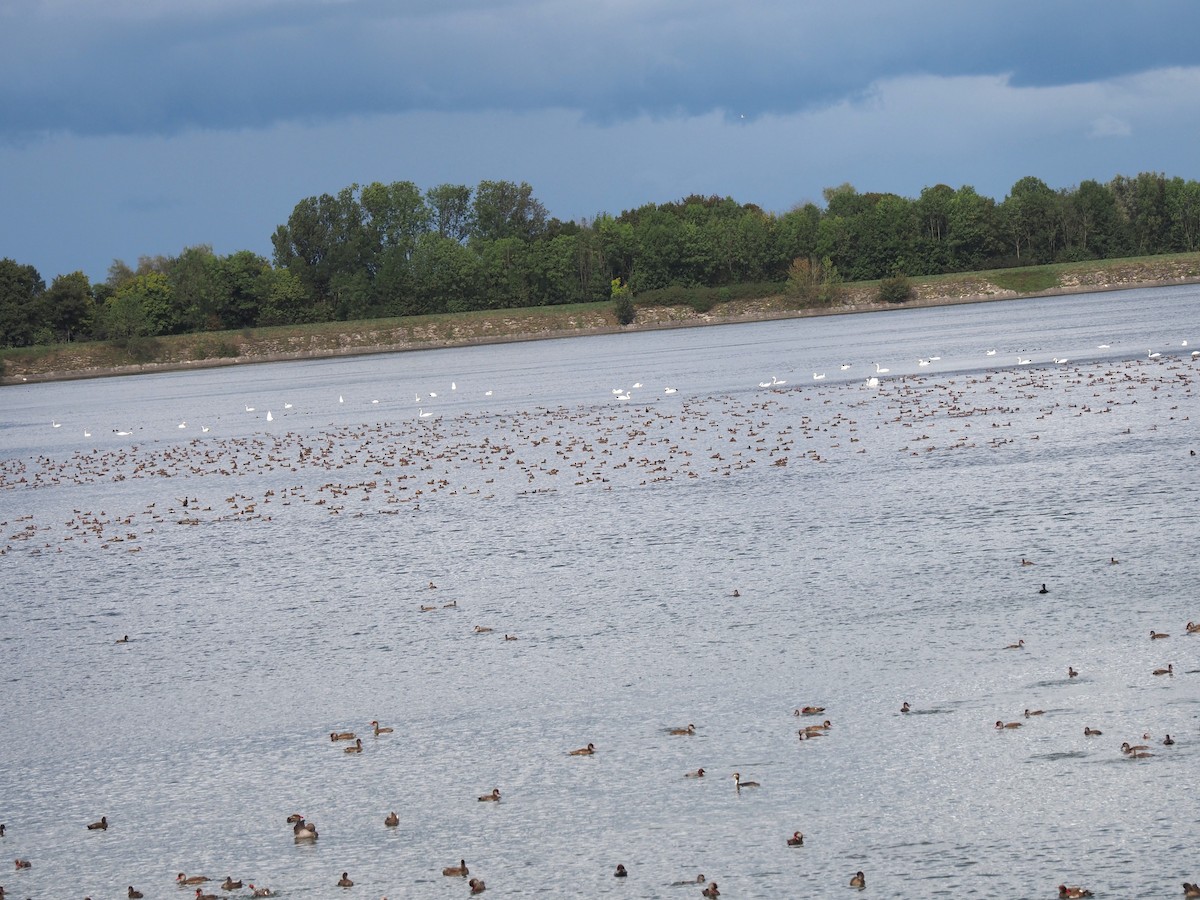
(391, 250)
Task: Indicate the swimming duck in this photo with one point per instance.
(811, 711)
(304, 831)
(691, 729)
(1071, 673)
(739, 784)
(380, 729)
(711, 891)
(699, 879)
(345, 881)
(796, 840)
(483, 629)
(1157, 635)
(1191, 890)
(1000, 724)
(134, 895)
(477, 886)
(392, 820)
(1043, 589)
(583, 751)
(1017, 646)
(294, 818)
(260, 891)
(858, 881)
(1126, 748)
(699, 773)
(123, 640)
(102, 825)
(200, 895)
(357, 748)
(510, 637)
(459, 871)
(230, 885)
(1169, 670)
(341, 735)
(1034, 712)
(620, 873)
(1193, 628)
(904, 707)
(1073, 892)
(494, 796)
(1092, 732)
(190, 879)
(1168, 741)
(1026, 562)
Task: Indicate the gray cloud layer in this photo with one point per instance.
(163, 66)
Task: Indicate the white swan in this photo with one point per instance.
(423, 414)
(669, 390)
(124, 433)
(87, 434)
(1023, 362)
(287, 406)
(879, 370)
(922, 362)
(375, 401)
(638, 384)
(872, 381)
(270, 418)
(1102, 347)
(182, 424)
(775, 382)
(818, 376)
(991, 353)
(204, 428)
(54, 424)
(432, 394)
(1150, 354)
(340, 400)
(487, 393)
(845, 366)
(453, 386)
(934, 358)
(764, 384)
(1196, 354)
(1060, 361)
(249, 408)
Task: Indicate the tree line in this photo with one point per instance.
(392, 250)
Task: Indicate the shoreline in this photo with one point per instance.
(650, 318)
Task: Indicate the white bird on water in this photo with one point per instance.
(1023, 362)
(424, 415)
(249, 408)
(845, 366)
(775, 382)
(669, 390)
(922, 362)
(204, 428)
(287, 406)
(56, 424)
(818, 376)
(880, 370)
(872, 381)
(182, 424)
(991, 353)
(1150, 354)
(87, 434)
(270, 418)
(340, 400)
(453, 386)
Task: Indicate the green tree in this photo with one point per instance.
(141, 308)
(286, 300)
(198, 289)
(21, 289)
(242, 274)
(450, 211)
(1028, 215)
(623, 306)
(1183, 208)
(446, 277)
(68, 305)
(502, 209)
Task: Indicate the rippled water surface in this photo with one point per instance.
(873, 535)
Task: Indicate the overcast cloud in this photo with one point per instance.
(141, 126)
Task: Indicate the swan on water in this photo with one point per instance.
(872, 381)
(922, 362)
(879, 370)
(270, 418)
(818, 376)
(340, 400)
(775, 382)
(249, 408)
(845, 366)
(287, 406)
(669, 390)
(991, 353)
(1150, 354)
(423, 414)
(54, 424)
(87, 434)
(1023, 362)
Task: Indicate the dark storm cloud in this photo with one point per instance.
(164, 66)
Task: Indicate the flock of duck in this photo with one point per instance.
(383, 468)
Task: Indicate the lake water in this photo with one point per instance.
(873, 535)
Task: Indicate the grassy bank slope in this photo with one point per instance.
(83, 360)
